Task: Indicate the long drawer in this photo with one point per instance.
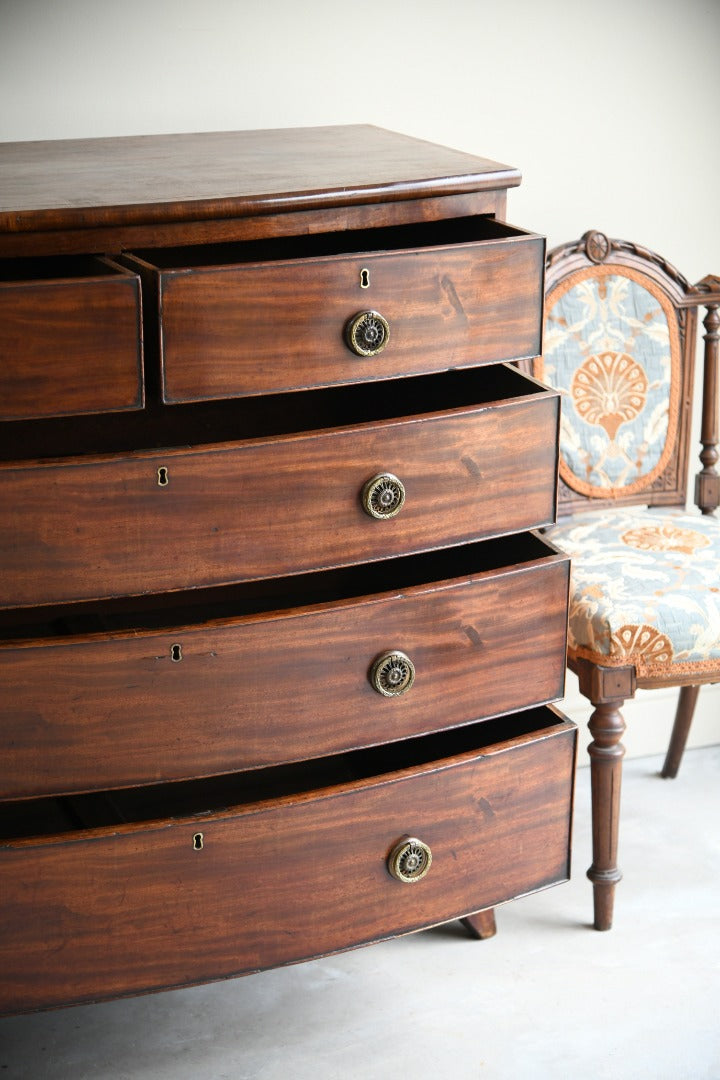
(159, 895)
(477, 632)
(163, 520)
(344, 307)
(70, 338)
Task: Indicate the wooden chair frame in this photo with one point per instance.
(607, 688)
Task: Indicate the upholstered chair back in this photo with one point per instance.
(619, 344)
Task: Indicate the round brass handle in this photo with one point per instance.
(392, 674)
(410, 860)
(383, 496)
(367, 333)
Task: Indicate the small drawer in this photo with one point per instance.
(70, 338)
(190, 883)
(447, 638)
(277, 315)
(126, 524)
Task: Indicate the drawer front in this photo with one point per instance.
(261, 328)
(156, 521)
(109, 711)
(136, 908)
(70, 346)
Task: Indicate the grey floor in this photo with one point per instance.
(548, 997)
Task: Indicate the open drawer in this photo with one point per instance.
(459, 457)
(70, 337)
(344, 307)
(160, 887)
(300, 668)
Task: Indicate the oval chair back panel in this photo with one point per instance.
(620, 349)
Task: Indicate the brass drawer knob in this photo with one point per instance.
(392, 674)
(367, 333)
(383, 496)
(410, 860)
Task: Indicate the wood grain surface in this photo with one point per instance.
(152, 179)
(137, 907)
(104, 527)
(70, 345)
(268, 326)
(103, 710)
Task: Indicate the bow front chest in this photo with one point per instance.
(278, 635)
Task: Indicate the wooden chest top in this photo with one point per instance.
(174, 178)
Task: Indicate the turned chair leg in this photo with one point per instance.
(681, 728)
(481, 925)
(606, 754)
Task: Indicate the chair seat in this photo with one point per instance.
(645, 589)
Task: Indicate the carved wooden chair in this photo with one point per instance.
(620, 339)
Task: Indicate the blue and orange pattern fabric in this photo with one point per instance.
(612, 349)
(645, 589)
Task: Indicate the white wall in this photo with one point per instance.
(608, 108)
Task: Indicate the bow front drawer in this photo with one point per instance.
(289, 314)
(70, 338)
(433, 647)
(213, 879)
(159, 521)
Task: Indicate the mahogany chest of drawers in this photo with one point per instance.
(278, 635)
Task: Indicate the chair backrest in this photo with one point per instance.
(620, 336)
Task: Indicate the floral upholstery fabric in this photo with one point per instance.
(612, 350)
(645, 589)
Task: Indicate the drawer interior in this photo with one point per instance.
(203, 606)
(273, 415)
(56, 817)
(57, 268)
(413, 236)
